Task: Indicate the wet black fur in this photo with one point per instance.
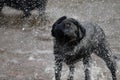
(25, 5)
(74, 41)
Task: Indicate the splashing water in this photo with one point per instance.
(26, 46)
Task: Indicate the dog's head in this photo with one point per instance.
(67, 29)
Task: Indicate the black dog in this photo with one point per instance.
(25, 5)
(74, 41)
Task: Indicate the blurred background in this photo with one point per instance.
(26, 44)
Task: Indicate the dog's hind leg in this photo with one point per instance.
(104, 52)
(87, 64)
(42, 7)
(71, 73)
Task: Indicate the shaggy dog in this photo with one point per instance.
(25, 5)
(74, 41)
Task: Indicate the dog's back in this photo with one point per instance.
(94, 34)
(25, 5)
(21, 4)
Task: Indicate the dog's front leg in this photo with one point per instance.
(87, 64)
(71, 73)
(58, 68)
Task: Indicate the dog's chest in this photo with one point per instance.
(72, 54)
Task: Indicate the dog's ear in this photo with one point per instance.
(56, 23)
(81, 30)
(59, 20)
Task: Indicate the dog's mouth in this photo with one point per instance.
(72, 40)
(65, 38)
(69, 39)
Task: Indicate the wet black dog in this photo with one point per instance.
(75, 41)
(25, 5)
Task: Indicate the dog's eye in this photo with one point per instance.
(68, 25)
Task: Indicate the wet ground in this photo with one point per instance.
(26, 45)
